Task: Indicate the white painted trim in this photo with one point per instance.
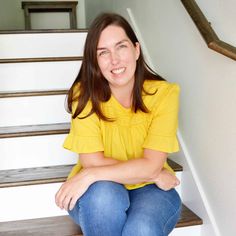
(181, 141)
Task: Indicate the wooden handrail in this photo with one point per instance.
(208, 34)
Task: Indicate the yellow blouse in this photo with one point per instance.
(129, 133)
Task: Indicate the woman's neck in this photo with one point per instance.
(123, 95)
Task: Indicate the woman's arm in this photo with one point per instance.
(88, 160)
(166, 180)
(132, 171)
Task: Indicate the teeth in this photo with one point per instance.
(118, 71)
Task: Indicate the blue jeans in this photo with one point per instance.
(109, 209)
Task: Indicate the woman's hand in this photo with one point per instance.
(72, 190)
(166, 180)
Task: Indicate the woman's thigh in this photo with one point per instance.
(152, 212)
(102, 209)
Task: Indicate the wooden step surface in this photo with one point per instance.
(44, 175)
(32, 176)
(44, 31)
(14, 94)
(49, 226)
(64, 226)
(40, 59)
(34, 130)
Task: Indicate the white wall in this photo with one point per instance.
(93, 8)
(208, 92)
(12, 17)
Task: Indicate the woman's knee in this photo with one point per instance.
(105, 195)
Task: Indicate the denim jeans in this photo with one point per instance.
(109, 209)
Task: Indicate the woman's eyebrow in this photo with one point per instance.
(101, 48)
(122, 41)
(118, 43)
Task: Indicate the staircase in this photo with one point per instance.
(36, 70)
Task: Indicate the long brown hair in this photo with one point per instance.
(92, 84)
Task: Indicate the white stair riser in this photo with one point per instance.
(26, 152)
(33, 110)
(31, 202)
(38, 75)
(28, 202)
(187, 231)
(178, 188)
(41, 45)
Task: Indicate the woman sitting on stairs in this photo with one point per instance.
(124, 123)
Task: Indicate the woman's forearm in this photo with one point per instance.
(96, 159)
(129, 172)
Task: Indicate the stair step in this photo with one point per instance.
(188, 218)
(43, 31)
(42, 45)
(34, 130)
(42, 75)
(21, 111)
(49, 226)
(40, 59)
(63, 225)
(175, 166)
(13, 94)
(44, 175)
(31, 176)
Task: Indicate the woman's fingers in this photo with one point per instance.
(72, 190)
(63, 196)
(66, 202)
(166, 180)
(59, 198)
(177, 181)
(73, 202)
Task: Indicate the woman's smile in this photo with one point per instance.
(118, 71)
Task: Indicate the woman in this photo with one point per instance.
(124, 122)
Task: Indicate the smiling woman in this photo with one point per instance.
(117, 61)
(124, 123)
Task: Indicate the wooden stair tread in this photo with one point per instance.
(40, 59)
(49, 226)
(34, 130)
(13, 94)
(43, 175)
(63, 225)
(188, 218)
(44, 31)
(175, 166)
(36, 175)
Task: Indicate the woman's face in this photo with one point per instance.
(117, 57)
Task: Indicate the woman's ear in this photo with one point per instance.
(137, 49)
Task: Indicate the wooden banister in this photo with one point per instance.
(208, 34)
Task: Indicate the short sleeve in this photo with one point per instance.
(163, 128)
(85, 134)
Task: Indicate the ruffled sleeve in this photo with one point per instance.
(85, 134)
(163, 128)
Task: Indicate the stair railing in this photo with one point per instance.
(208, 34)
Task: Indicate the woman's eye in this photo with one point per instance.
(103, 53)
(122, 46)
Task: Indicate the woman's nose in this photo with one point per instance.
(114, 57)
